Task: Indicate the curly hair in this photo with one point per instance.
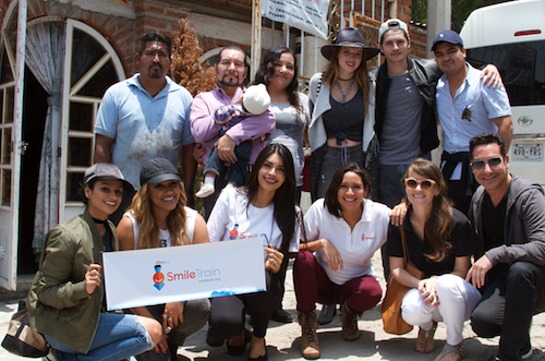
(438, 229)
(266, 71)
(332, 69)
(149, 231)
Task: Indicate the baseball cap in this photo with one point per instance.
(447, 36)
(392, 24)
(157, 170)
(104, 171)
(256, 99)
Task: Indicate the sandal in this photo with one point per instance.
(425, 342)
(451, 353)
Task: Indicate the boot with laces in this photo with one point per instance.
(349, 322)
(310, 349)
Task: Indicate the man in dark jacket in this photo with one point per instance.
(508, 214)
(405, 121)
(405, 118)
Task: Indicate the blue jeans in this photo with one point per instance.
(237, 172)
(333, 160)
(117, 337)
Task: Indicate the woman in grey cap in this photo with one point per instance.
(342, 108)
(66, 301)
(157, 218)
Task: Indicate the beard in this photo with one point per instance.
(230, 80)
(155, 71)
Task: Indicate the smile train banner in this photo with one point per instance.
(307, 15)
(161, 275)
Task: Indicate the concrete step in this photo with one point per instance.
(24, 282)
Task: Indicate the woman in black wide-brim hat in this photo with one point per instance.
(342, 110)
(342, 107)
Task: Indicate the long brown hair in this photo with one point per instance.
(149, 231)
(438, 228)
(286, 213)
(331, 73)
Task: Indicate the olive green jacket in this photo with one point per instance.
(58, 304)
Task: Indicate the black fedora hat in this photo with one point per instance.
(350, 37)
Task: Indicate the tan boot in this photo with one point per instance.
(349, 322)
(310, 348)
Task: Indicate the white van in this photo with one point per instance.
(511, 35)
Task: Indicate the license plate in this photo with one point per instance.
(528, 151)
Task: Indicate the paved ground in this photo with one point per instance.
(374, 344)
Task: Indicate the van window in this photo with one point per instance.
(522, 67)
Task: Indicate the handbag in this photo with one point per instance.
(391, 305)
(21, 340)
(306, 171)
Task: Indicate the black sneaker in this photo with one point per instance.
(213, 339)
(326, 314)
(527, 351)
(282, 316)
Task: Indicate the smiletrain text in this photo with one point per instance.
(198, 273)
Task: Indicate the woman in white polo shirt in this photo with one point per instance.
(344, 230)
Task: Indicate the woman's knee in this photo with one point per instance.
(303, 260)
(196, 314)
(413, 308)
(450, 288)
(153, 328)
(197, 308)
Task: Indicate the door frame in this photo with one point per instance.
(68, 209)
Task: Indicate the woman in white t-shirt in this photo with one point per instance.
(157, 218)
(263, 208)
(344, 230)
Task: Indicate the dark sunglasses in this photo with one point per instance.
(492, 163)
(424, 184)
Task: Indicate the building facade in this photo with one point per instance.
(58, 58)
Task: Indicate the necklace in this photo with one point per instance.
(99, 221)
(344, 92)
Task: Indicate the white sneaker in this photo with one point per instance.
(207, 189)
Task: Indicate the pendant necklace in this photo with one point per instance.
(345, 92)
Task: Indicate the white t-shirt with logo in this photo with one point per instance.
(232, 218)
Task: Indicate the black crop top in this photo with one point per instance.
(345, 120)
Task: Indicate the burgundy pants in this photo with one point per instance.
(313, 285)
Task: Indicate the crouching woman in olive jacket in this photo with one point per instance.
(66, 301)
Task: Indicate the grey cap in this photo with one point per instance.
(157, 170)
(392, 24)
(105, 171)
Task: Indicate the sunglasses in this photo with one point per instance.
(492, 163)
(424, 184)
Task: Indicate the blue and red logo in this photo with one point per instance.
(158, 277)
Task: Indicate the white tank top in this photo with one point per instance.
(164, 234)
